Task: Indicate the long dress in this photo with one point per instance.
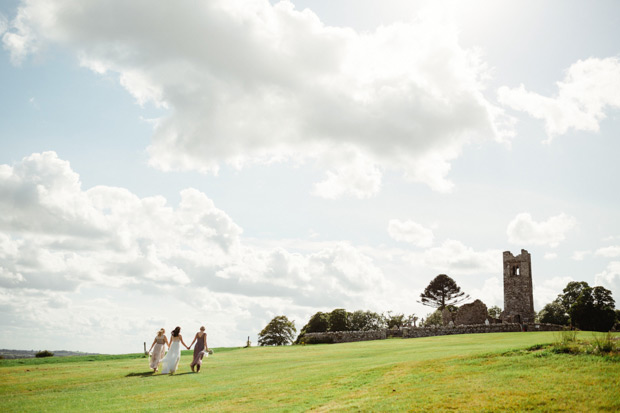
(158, 351)
(170, 363)
(199, 351)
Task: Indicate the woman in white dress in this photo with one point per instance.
(170, 363)
(160, 343)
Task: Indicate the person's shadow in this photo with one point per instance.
(152, 374)
(146, 374)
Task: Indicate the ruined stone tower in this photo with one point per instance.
(518, 291)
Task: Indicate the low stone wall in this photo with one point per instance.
(415, 332)
(347, 336)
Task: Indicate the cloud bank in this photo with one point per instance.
(590, 88)
(247, 81)
(59, 242)
(523, 230)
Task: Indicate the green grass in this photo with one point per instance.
(481, 372)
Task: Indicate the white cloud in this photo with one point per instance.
(491, 292)
(589, 89)
(4, 24)
(58, 241)
(551, 255)
(453, 257)
(548, 290)
(359, 178)
(580, 255)
(410, 231)
(523, 230)
(610, 279)
(247, 81)
(610, 252)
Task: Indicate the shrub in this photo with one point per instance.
(317, 340)
(566, 342)
(603, 343)
(44, 353)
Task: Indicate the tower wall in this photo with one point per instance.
(518, 291)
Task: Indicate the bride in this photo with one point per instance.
(170, 363)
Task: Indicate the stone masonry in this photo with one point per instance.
(518, 291)
(474, 313)
(414, 332)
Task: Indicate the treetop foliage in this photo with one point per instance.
(585, 307)
(279, 332)
(442, 291)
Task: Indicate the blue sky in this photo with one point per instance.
(224, 162)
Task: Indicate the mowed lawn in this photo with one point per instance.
(478, 372)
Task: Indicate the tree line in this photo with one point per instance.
(579, 306)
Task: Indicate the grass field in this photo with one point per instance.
(480, 372)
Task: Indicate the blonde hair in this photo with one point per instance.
(161, 331)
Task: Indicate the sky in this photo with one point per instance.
(224, 162)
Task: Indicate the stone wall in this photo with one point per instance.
(347, 336)
(415, 332)
(474, 313)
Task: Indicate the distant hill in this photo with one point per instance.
(26, 354)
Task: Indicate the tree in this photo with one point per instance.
(593, 310)
(318, 323)
(442, 291)
(553, 313)
(279, 332)
(433, 319)
(366, 321)
(571, 292)
(588, 308)
(495, 311)
(396, 320)
(339, 320)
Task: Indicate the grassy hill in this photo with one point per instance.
(481, 372)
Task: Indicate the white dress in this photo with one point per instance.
(170, 363)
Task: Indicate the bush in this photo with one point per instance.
(317, 340)
(44, 353)
(603, 343)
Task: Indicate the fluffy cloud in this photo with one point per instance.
(548, 290)
(589, 89)
(409, 231)
(523, 230)
(71, 250)
(610, 279)
(359, 178)
(247, 81)
(610, 252)
(453, 257)
(580, 255)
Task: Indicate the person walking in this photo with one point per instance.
(158, 349)
(170, 363)
(200, 349)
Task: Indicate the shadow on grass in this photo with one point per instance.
(146, 374)
(152, 374)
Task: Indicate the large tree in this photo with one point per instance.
(441, 292)
(279, 332)
(366, 320)
(339, 320)
(594, 310)
(589, 308)
(554, 313)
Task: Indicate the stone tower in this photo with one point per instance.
(518, 291)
